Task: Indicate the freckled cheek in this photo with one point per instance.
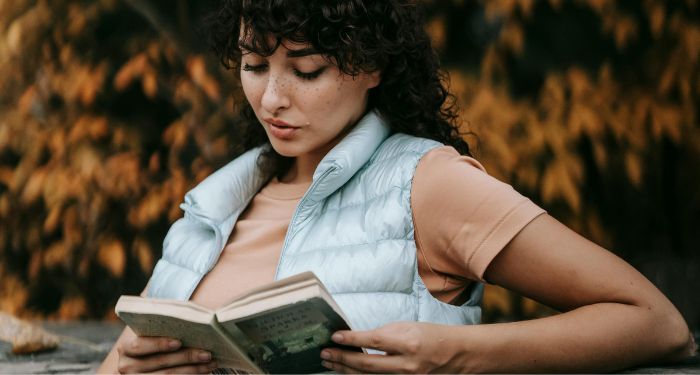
(331, 95)
(253, 90)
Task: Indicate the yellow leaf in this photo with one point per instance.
(657, 13)
(6, 175)
(600, 154)
(513, 38)
(51, 222)
(624, 31)
(56, 255)
(72, 227)
(91, 84)
(27, 100)
(438, 33)
(148, 209)
(111, 256)
(72, 308)
(633, 167)
(34, 187)
(667, 78)
(196, 67)
(150, 84)
(131, 69)
(35, 264)
(121, 175)
(13, 293)
(143, 253)
(176, 135)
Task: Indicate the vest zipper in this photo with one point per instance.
(288, 235)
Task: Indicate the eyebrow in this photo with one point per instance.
(291, 53)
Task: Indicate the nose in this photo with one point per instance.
(276, 95)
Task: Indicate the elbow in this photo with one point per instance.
(678, 343)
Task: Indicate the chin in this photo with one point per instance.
(286, 150)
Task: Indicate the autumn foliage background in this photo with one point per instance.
(111, 110)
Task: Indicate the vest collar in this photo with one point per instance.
(348, 156)
(221, 197)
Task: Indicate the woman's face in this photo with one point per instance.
(305, 103)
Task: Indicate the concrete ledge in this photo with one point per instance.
(83, 347)
(85, 344)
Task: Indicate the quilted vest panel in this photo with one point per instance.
(353, 228)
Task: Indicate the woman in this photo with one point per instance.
(356, 171)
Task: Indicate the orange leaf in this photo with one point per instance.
(633, 167)
(150, 84)
(144, 254)
(56, 255)
(111, 255)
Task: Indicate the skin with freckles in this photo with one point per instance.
(308, 93)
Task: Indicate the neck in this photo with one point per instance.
(302, 169)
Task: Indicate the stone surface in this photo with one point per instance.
(85, 344)
(83, 347)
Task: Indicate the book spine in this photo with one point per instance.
(242, 356)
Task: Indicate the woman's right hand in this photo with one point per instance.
(161, 355)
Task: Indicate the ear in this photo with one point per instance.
(373, 79)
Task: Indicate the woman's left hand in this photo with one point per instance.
(410, 348)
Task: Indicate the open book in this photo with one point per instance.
(280, 327)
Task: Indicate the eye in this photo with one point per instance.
(310, 75)
(254, 68)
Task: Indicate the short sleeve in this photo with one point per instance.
(462, 216)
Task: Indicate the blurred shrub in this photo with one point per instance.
(108, 117)
(590, 108)
(111, 112)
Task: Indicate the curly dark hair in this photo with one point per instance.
(358, 36)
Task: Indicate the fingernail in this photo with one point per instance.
(204, 356)
(327, 365)
(174, 344)
(337, 337)
(325, 354)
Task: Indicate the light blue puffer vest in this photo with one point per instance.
(353, 228)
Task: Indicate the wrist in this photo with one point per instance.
(465, 355)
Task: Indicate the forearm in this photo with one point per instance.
(595, 338)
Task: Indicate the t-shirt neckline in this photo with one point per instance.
(283, 190)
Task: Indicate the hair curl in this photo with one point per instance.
(358, 36)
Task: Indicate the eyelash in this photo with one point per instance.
(303, 75)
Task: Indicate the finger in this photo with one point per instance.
(373, 339)
(187, 356)
(364, 362)
(140, 346)
(189, 369)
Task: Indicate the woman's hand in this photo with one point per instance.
(410, 348)
(161, 355)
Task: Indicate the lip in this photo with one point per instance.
(279, 123)
(281, 129)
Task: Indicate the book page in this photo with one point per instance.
(295, 288)
(290, 338)
(275, 288)
(193, 335)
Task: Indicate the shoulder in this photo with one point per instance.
(447, 157)
(444, 174)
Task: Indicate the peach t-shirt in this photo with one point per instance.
(462, 219)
